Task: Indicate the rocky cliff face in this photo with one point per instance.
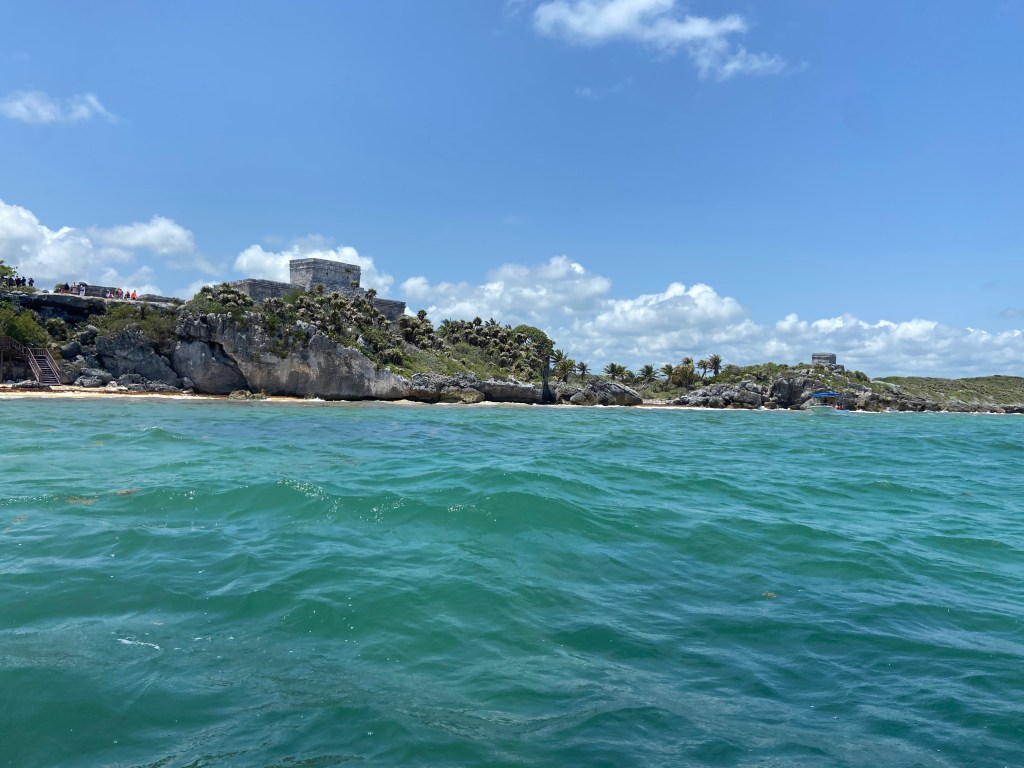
(129, 352)
(596, 392)
(796, 391)
(218, 356)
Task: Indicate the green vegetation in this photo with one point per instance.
(496, 350)
(220, 300)
(6, 271)
(351, 321)
(670, 381)
(998, 390)
(412, 345)
(22, 326)
(155, 325)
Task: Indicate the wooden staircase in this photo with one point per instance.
(39, 359)
(45, 367)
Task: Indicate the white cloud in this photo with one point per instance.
(102, 256)
(657, 23)
(159, 234)
(254, 261)
(39, 107)
(556, 290)
(577, 309)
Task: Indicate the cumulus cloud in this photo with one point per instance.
(657, 23)
(578, 310)
(159, 234)
(551, 292)
(103, 256)
(255, 261)
(38, 107)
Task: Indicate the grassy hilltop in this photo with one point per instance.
(999, 390)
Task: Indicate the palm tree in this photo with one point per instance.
(703, 366)
(668, 371)
(582, 368)
(715, 364)
(684, 375)
(614, 371)
(564, 367)
(645, 376)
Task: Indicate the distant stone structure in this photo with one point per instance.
(826, 360)
(306, 274)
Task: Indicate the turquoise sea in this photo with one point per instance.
(292, 584)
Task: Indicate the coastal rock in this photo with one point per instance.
(71, 309)
(209, 369)
(220, 356)
(466, 388)
(244, 394)
(613, 393)
(135, 382)
(596, 392)
(583, 397)
(87, 336)
(71, 350)
(130, 352)
(510, 391)
(92, 377)
(792, 391)
(745, 394)
(435, 388)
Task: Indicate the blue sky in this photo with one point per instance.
(644, 179)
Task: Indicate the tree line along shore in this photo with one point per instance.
(326, 345)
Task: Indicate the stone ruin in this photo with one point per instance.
(306, 274)
(826, 360)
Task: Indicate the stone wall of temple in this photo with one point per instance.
(391, 309)
(306, 274)
(334, 276)
(261, 290)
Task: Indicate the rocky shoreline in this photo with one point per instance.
(215, 354)
(797, 392)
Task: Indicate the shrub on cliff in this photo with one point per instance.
(220, 300)
(155, 325)
(352, 321)
(22, 326)
(522, 351)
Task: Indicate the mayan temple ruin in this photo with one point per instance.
(306, 274)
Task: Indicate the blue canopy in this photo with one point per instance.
(828, 394)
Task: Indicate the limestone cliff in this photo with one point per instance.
(219, 355)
